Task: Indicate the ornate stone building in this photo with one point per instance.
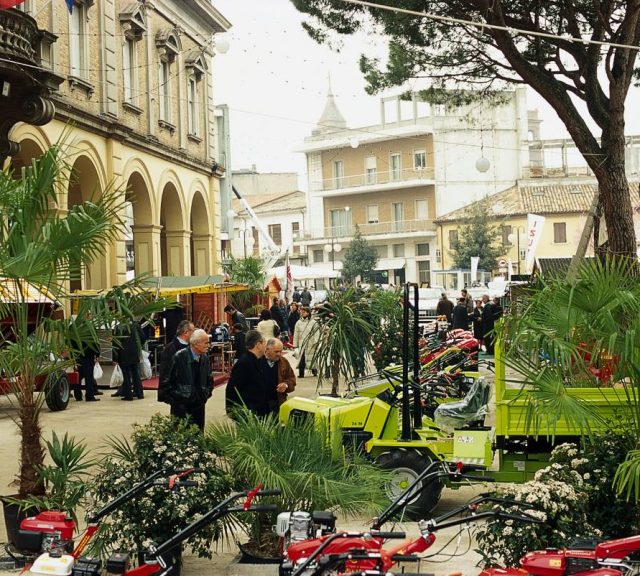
(135, 99)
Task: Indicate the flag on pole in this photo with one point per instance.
(6, 4)
(535, 224)
(70, 5)
(288, 293)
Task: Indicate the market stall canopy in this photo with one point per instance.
(24, 292)
(168, 286)
(302, 272)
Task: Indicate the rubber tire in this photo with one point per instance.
(409, 464)
(58, 391)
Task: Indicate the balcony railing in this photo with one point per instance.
(378, 228)
(375, 178)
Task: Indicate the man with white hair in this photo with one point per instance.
(279, 376)
(188, 380)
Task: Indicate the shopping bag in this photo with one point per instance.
(97, 371)
(145, 366)
(116, 377)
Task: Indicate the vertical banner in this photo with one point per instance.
(474, 268)
(509, 269)
(535, 224)
(288, 292)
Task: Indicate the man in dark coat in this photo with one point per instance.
(247, 384)
(237, 317)
(188, 380)
(279, 316)
(488, 322)
(180, 342)
(89, 353)
(460, 315)
(127, 345)
(445, 307)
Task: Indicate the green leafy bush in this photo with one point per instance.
(159, 512)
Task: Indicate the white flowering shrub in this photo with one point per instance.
(158, 513)
(575, 497)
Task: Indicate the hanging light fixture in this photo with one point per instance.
(482, 163)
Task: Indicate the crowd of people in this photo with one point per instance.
(480, 315)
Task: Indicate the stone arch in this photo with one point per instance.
(201, 234)
(85, 183)
(29, 149)
(174, 238)
(141, 236)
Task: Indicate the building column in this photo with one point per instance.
(146, 244)
(178, 252)
(202, 254)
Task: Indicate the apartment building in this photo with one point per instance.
(393, 179)
(135, 94)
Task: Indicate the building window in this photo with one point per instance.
(422, 249)
(370, 170)
(397, 213)
(453, 239)
(372, 214)
(559, 232)
(192, 106)
(420, 159)
(422, 210)
(381, 250)
(506, 232)
(168, 46)
(78, 45)
(134, 25)
(196, 67)
(256, 240)
(424, 272)
(295, 230)
(396, 167)
(398, 250)
(165, 91)
(340, 222)
(318, 256)
(275, 231)
(338, 173)
(129, 68)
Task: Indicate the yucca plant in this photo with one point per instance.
(249, 271)
(571, 333)
(299, 461)
(65, 479)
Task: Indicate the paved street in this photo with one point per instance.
(95, 421)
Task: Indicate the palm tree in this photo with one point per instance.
(344, 324)
(577, 333)
(43, 249)
(249, 271)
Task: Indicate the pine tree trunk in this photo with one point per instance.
(335, 376)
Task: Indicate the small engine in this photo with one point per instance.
(48, 531)
(298, 526)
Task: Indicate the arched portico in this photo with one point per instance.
(142, 238)
(174, 239)
(202, 236)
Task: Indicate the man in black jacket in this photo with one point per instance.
(181, 341)
(188, 380)
(237, 317)
(247, 384)
(128, 342)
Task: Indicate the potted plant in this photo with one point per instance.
(344, 325)
(42, 249)
(311, 474)
(158, 513)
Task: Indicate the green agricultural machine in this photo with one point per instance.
(385, 422)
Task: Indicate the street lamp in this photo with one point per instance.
(332, 248)
(516, 236)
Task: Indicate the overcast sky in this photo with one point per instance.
(274, 78)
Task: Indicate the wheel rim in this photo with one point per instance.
(401, 479)
(64, 389)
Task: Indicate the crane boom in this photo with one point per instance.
(275, 251)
